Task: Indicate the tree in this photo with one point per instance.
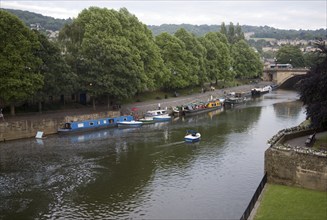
(246, 62)
(19, 64)
(113, 53)
(198, 51)
(178, 61)
(58, 77)
(218, 59)
(231, 33)
(313, 89)
(239, 35)
(223, 29)
(290, 54)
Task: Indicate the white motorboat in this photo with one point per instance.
(130, 124)
(192, 136)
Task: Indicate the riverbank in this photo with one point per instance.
(127, 108)
(141, 107)
(26, 125)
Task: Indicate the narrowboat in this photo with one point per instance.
(201, 108)
(93, 124)
(232, 101)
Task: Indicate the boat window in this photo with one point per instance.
(104, 122)
(111, 121)
(99, 122)
(91, 123)
(80, 125)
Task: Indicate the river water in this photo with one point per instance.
(147, 172)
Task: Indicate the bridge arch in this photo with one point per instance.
(282, 76)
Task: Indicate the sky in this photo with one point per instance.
(281, 14)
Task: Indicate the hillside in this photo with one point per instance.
(46, 22)
(258, 32)
(53, 24)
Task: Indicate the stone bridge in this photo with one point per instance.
(281, 76)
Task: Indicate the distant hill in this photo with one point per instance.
(53, 24)
(258, 32)
(46, 22)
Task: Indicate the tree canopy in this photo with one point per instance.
(19, 64)
(313, 89)
(116, 54)
(111, 53)
(246, 62)
(290, 54)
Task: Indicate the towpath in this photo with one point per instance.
(141, 107)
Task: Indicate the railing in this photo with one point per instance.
(254, 199)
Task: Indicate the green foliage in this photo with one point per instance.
(19, 64)
(223, 29)
(270, 32)
(113, 53)
(198, 51)
(290, 54)
(313, 89)
(218, 59)
(246, 62)
(58, 77)
(178, 61)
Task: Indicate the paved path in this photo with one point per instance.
(300, 141)
(141, 106)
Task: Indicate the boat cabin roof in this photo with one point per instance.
(156, 112)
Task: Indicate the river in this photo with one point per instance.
(147, 172)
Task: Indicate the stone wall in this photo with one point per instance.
(293, 165)
(296, 169)
(26, 128)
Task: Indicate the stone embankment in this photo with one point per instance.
(27, 125)
(296, 165)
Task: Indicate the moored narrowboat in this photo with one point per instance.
(201, 108)
(92, 124)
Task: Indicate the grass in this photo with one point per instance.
(284, 202)
(321, 142)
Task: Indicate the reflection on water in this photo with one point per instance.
(147, 172)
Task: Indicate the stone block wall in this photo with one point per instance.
(26, 128)
(295, 165)
(288, 167)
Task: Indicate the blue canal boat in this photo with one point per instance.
(93, 124)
